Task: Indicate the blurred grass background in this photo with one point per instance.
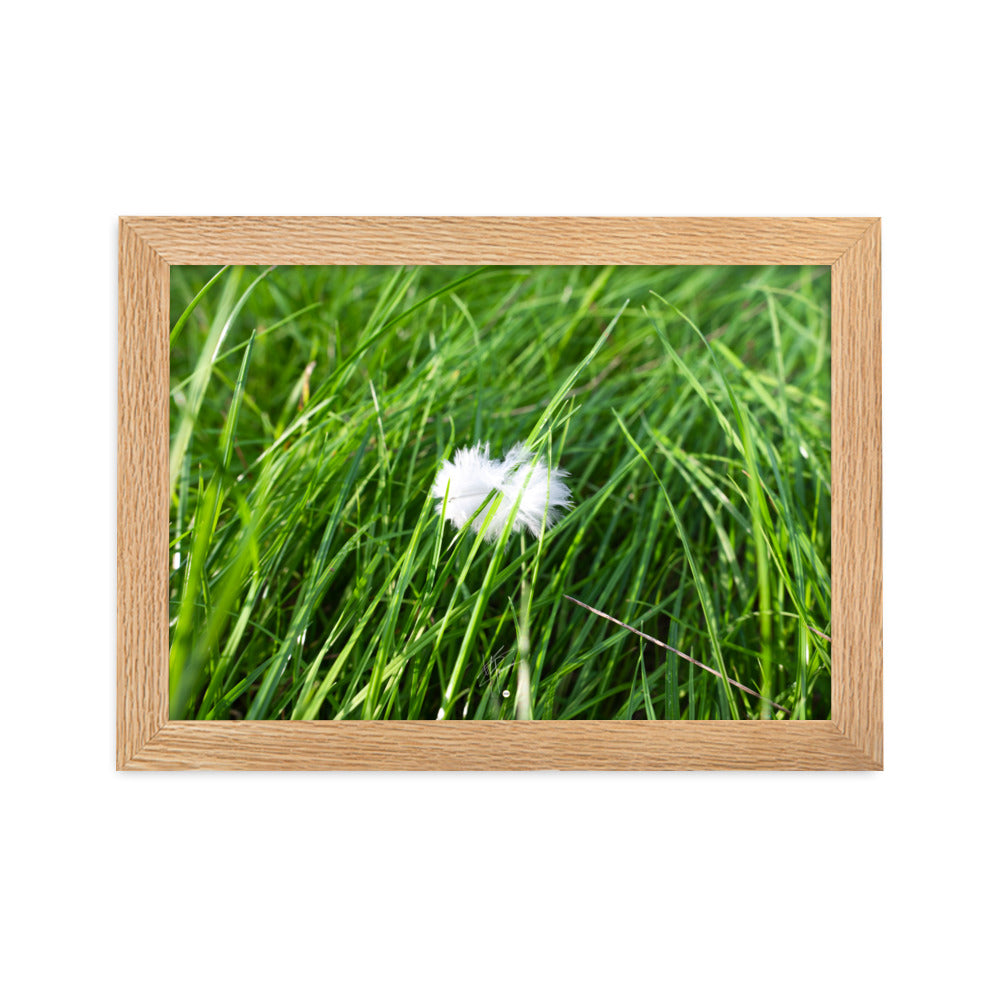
(311, 577)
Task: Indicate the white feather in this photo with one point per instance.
(471, 476)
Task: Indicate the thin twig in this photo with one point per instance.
(683, 656)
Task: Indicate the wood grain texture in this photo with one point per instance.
(856, 400)
(385, 240)
(143, 485)
(470, 746)
(147, 740)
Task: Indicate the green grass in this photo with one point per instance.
(312, 577)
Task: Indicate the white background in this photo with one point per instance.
(376, 885)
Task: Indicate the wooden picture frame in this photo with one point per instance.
(147, 739)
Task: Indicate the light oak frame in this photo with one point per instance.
(149, 740)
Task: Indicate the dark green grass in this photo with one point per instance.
(311, 577)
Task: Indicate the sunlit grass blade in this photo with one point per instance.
(203, 370)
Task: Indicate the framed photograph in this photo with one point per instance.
(499, 493)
